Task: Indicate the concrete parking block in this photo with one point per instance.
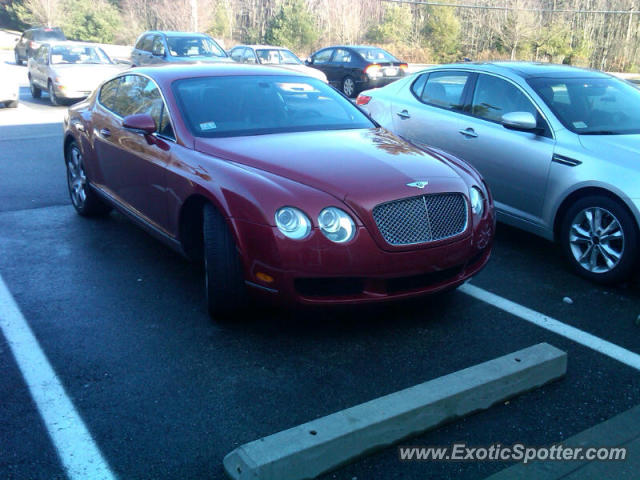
(308, 450)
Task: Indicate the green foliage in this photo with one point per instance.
(91, 21)
(221, 21)
(442, 32)
(395, 27)
(293, 26)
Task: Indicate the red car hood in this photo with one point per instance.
(364, 167)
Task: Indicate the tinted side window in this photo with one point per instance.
(322, 57)
(236, 54)
(493, 97)
(158, 45)
(445, 89)
(139, 43)
(342, 56)
(418, 85)
(146, 43)
(249, 56)
(108, 93)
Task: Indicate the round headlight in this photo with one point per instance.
(336, 225)
(293, 223)
(477, 201)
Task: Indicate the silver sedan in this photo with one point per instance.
(69, 70)
(559, 147)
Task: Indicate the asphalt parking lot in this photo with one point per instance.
(165, 392)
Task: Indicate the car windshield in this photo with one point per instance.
(78, 54)
(592, 106)
(277, 56)
(256, 105)
(372, 54)
(194, 47)
(52, 34)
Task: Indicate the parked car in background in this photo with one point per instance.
(9, 88)
(157, 47)
(558, 146)
(356, 68)
(69, 70)
(282, 186)
(31, 40)
(274, 56)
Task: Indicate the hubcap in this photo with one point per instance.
(76, 178)
(348, 87)
(596, 240)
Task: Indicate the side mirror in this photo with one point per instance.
(308, 61)
(158, 53)
(141, 123)
(524, 121)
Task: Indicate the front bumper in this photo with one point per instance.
(318, 272)
(71, 92)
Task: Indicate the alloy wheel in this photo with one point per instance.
(76, 178)
(596, 240)
(348, 87)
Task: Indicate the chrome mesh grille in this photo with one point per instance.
(422, 219)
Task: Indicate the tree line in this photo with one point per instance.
(602, 34)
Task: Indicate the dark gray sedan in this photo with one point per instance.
(156, 47)
(558, 146)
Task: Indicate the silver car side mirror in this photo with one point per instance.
(519, 121)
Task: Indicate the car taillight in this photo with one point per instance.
(404, 67)
(33, 45)
(363, 99)
(373, 70)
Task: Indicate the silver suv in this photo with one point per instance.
(157, 47)
(559, 147)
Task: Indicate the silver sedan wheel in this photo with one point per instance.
(596, 240)
(76, 178)
(348, 86)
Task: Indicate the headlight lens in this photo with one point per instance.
(293, 223)
(336, 225)
(477, 201)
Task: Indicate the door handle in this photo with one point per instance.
(105, 132)
(403, 114)
(469, 132)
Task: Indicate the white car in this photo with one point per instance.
(9, 88)
(275, 57)
(69, 70)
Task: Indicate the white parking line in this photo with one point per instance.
(78, 452)
(583, 338)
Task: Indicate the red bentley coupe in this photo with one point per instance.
(282, 186)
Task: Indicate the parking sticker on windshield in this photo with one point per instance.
(579, 125)
(208, 126)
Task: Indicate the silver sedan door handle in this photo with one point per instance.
(403, 114)
(469, 132)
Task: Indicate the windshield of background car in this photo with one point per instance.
(592, 106)
(194, 47)
(276, 56)
(77, 55)
(375, 55)
(48, 35)
(257, 105)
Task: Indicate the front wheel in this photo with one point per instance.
(349, 86)
(13, 104)
(599, 238)
(53, 98)
(84, 200)
(35, 91)
(224, 280)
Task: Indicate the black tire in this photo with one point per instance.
(35, 91)
(13, 104)
(17, 58)
(349, 86)
(615, 256)
(52, 94)
(88, 204)
(224, 280)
